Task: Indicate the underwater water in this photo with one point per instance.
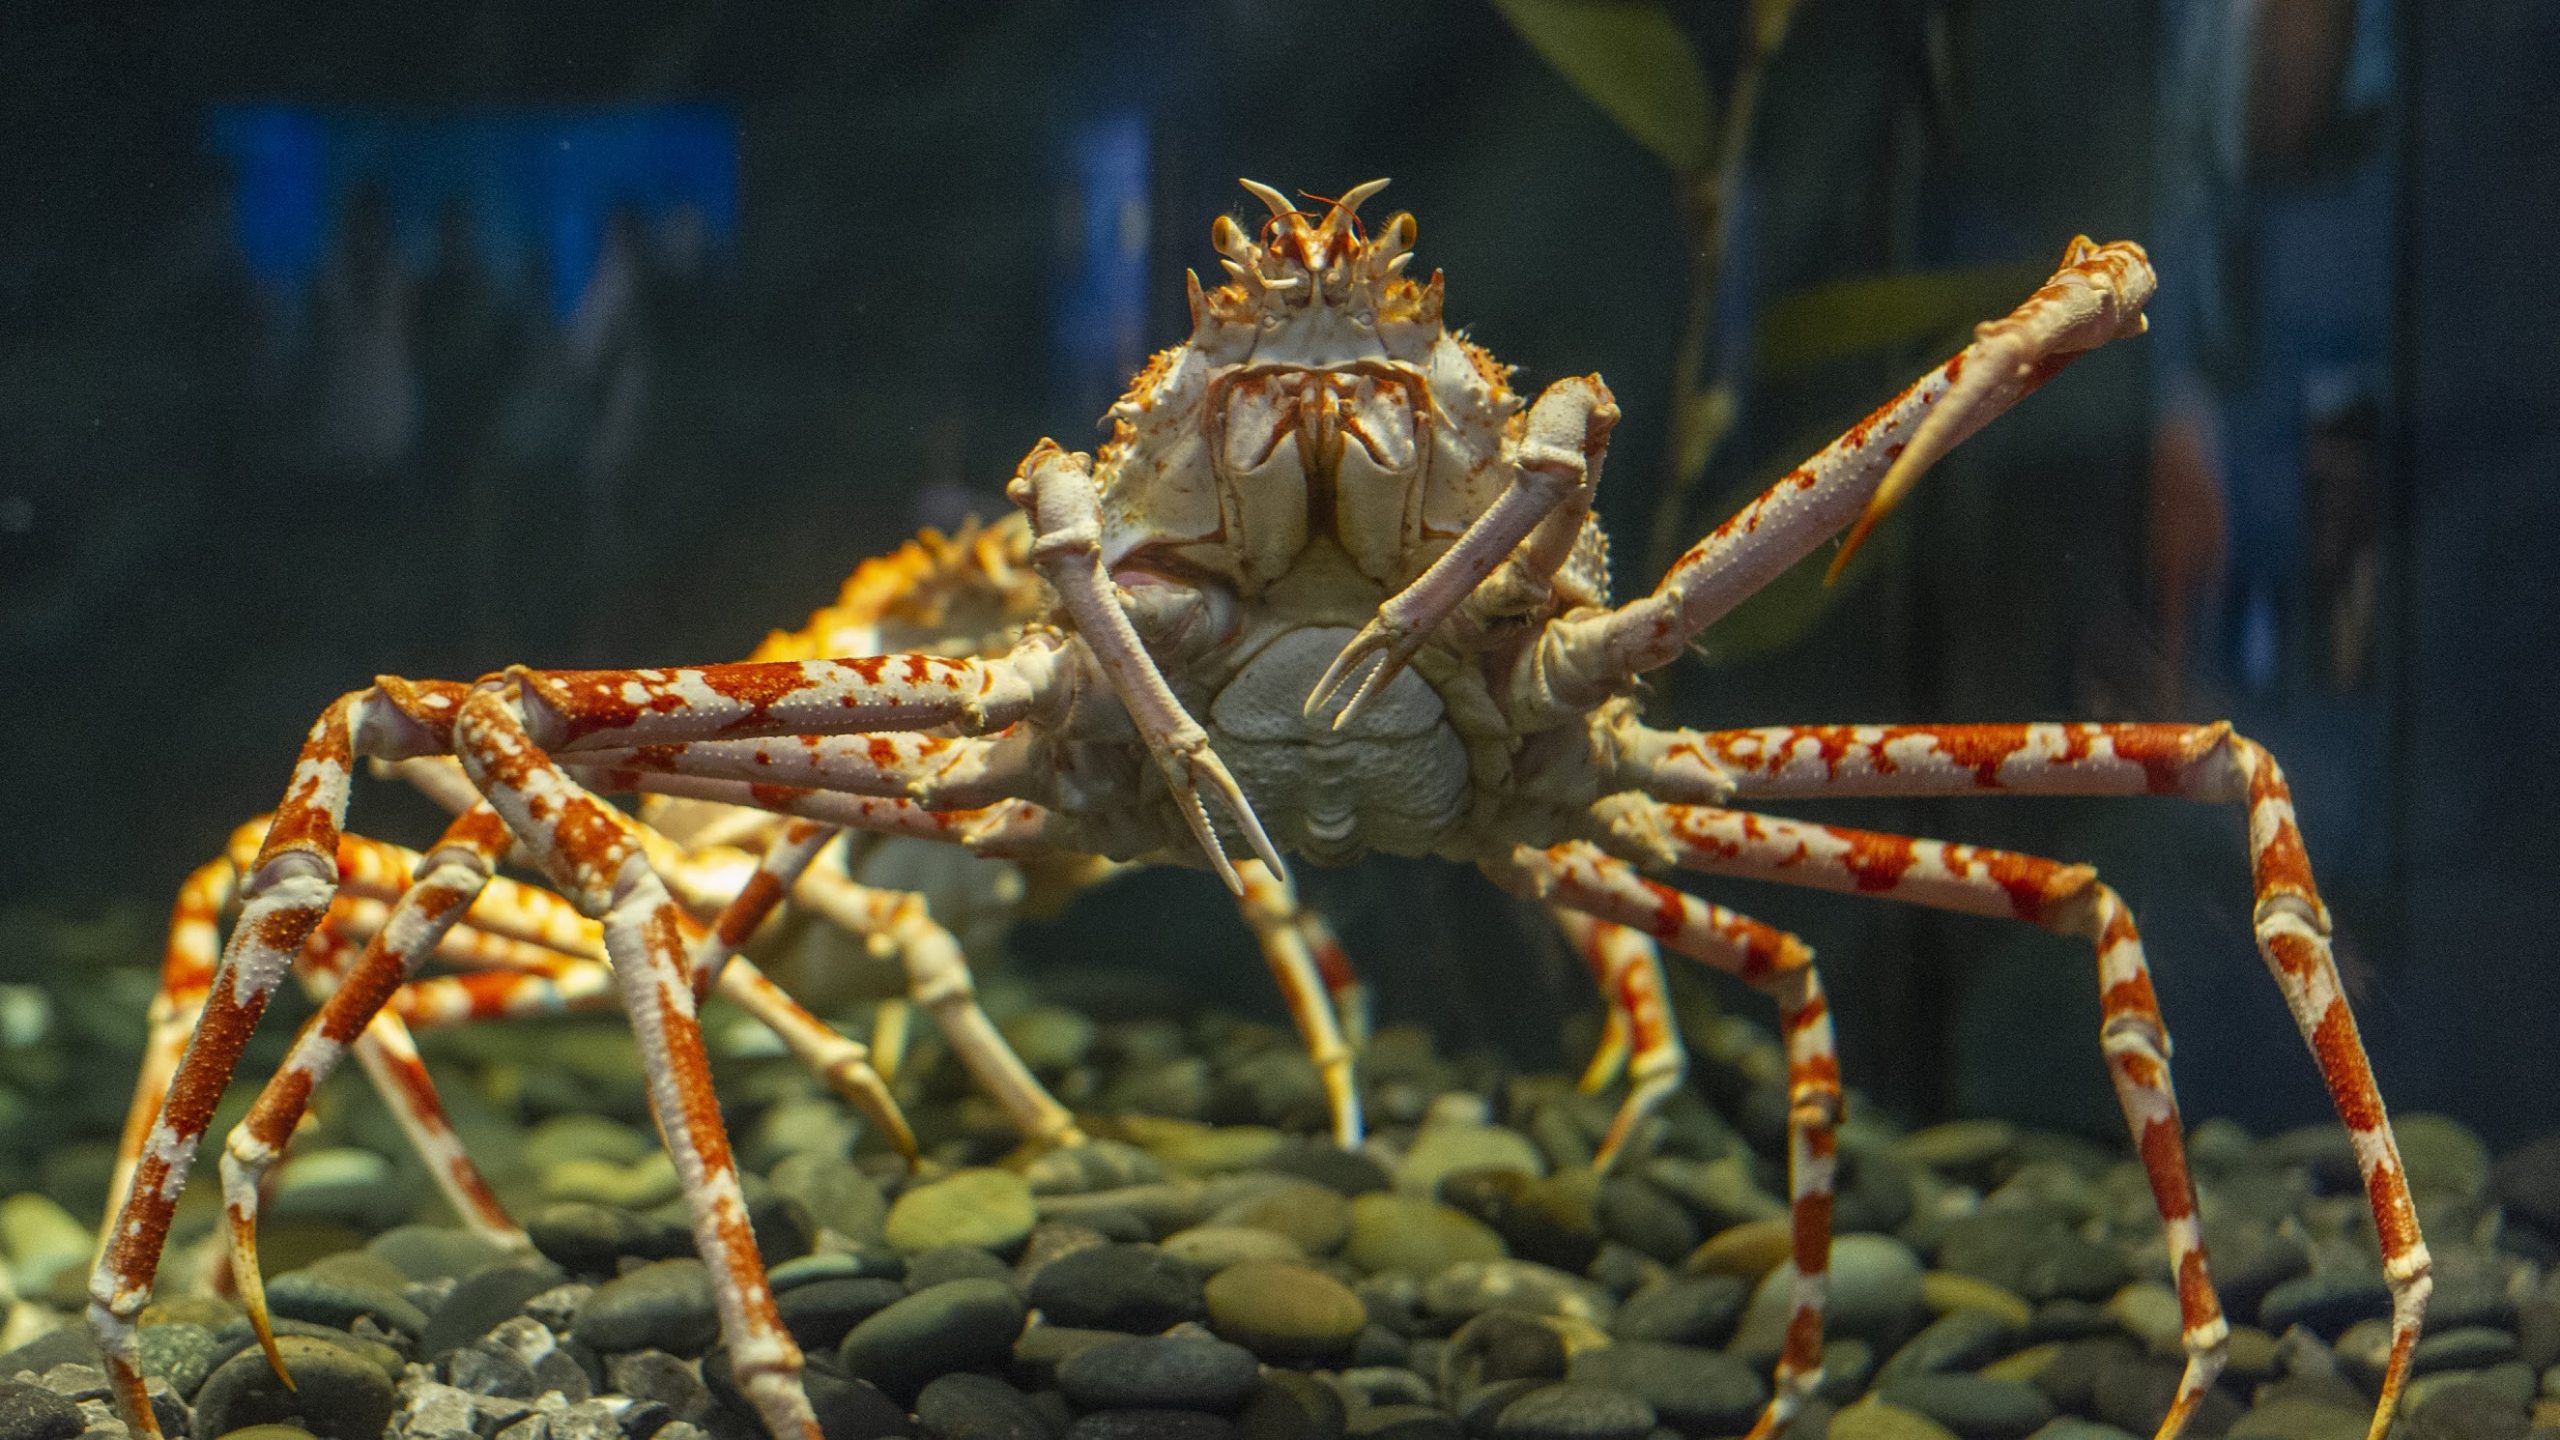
(345, 346)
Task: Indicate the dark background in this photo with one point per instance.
(2335, 445)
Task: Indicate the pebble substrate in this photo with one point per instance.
(1204, 1267)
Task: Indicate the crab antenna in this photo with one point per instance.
(1278, 202)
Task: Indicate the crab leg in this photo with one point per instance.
(391, 1062)
(938, 982)
(288, 889)
(1282, 926)
(1580, 876)
(936, 772)
(1057, 490)
(1555, 466)
(2066, 899)
(1580, 661)
(1640, 1039)
(593, 853)
(448, 881)
(2197, 762)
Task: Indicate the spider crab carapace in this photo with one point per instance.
(1329, 587)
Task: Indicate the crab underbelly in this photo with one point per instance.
(1394, 780)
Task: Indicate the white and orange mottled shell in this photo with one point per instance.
(1318, 337)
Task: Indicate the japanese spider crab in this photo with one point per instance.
(1321, 486)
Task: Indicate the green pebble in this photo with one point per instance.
(987, 1210)
(1284, 1312)
(1418, 1237)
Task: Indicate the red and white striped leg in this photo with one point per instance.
(2197, 762)
(2066, 899)
(592, 852)
(450, 879)
(288, 889)
(1280, 925)
(939, 983)
(1639, 1037)
(1580, 876)
(1581, 661)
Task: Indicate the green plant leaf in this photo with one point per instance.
(1884, 312)
(1630, 58)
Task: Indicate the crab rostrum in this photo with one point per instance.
(1330, 587)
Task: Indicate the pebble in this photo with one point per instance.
(987, 1210)
(1957, 1340)
(1498, 1346)
(1875, 1420)
(1971, 1405)
(1214, 1247)
(1571, 1411)
(1472, 1287)
(980, 1407)
(1417, 1237)
(31, 1412)
(2526, 1181)
(1159, 1373)
(2036, 1255)
(327, 1299)
(339, 1393)
(954, 1326)
(1874, 1293)
(2285, 1418)
(1442, 1150)
(665, 1305)
(1402, 1422)
(839, 1196)
(1138, 1288)
(1314, 1217)
(1688, 1310)
(41, 1241)
(956, 1262)
(645, 1182)
(2440, 1153)
(588, 1239)
(1689, 1389)
(1747, 1251)
(2326, 1301)
(1093, 1165)
(1150, 1425)
(1638, 1214)
(1553, 1220)
(437, 1252)
(1345, 1172)
(1286, 1405)
(819, 1314)
(481, 1301)
(1284, 1312)
(179, 1353)
(1946, 1292)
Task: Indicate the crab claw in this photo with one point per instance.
(1382, 640)
(1190, 767)
(2096, 296)
(241, 1180)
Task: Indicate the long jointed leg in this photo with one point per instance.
(2066, 899)
(1639, 1040)
(498, 730)
(938, 982)
(1579, 876)
(450, 879)
(2096, 296)
(2197, 762)
(1057, 489)
(593, 853)
(1282, 927)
